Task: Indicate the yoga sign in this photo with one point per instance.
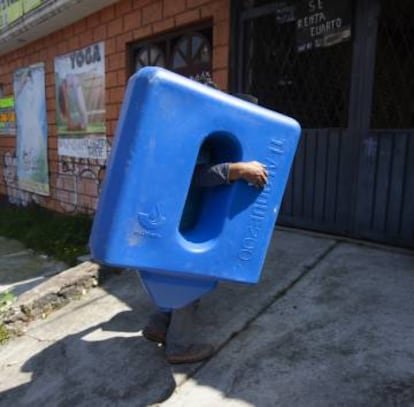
(80, 104)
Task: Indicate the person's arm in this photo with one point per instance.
(211, 175)
(253, 172)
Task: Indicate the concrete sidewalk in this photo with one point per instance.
(33, 285)
(330, 324)
(21, 269)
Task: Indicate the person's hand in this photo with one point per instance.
(253, 172)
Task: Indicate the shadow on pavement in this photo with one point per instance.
(84, 370)
(328, 325)
(341, 337)
(110, 364)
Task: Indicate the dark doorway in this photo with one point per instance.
(342, 69)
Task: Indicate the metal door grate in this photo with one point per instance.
(393, 100)
(311, 86)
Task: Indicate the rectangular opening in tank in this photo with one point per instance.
(207, 200)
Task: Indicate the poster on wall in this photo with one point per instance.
(322, 23)
(30, 5)
(7, 116)
(31, 122)
(80, 103)
(3, 14)
(10, 11)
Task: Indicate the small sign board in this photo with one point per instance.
(7, 116)
(322, 23)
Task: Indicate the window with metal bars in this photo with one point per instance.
(393, 96)
(312, 86)
(187, 52)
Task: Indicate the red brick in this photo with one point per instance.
(8, 142)
(142, 32)
(62, 48)
(116, 94)
(79, 27)
(35, 57)
(107, 14)
(137, 4)
(220, 77)
(51, 118)
(111, 79)
(121, 79)
(111, 127)
(51, 105)
(87, 201)
(110, 46)
(111, 112)
(115, 27)
(74, 42)
(62, 194)
(93, 20)
(67, 32)
(101, 175)
(122, 41)
(187, 17)
(115, 61)
(123, 7)
(99, 33)
(152, 12)
(50, 92)
(220, 57)
(53, 166)
(50, 80)
(219, 10)
(196, 3)
(160, 16)
(173, 7)
(86, 38)
(36, 46)
(52, 146)
(132, 20)
(221, 33)
(164, 25)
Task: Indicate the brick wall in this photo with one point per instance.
(74, 185)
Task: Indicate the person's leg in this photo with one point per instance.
(157, 326)
(180, 346)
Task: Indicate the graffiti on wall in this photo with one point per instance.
(15, 194)
(78, 183)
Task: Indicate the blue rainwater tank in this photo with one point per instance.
(165, 121)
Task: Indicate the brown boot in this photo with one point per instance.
(157, 326)
(189, 354)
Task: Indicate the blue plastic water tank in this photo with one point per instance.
(165, 120)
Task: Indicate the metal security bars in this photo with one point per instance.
(393, 100)
(312, 85)
(187, 52)
(353, 94)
